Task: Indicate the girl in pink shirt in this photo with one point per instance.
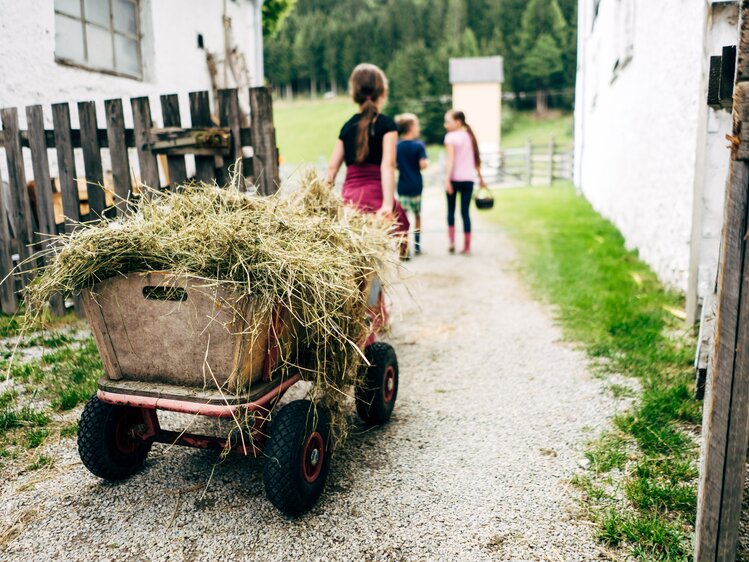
(463, 167)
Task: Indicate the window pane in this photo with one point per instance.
(72, 7)
(97, 11)
(69, 39)
(124, 16)
(126, 50)
(99, 47)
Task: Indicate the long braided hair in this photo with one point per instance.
(367, 84)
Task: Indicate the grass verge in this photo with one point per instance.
(58, 376)
(640, 486)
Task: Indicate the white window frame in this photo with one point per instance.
(111, 31)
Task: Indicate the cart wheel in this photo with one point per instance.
(375, 398)
(298, 457)
(106, 443)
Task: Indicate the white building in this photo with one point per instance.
(82, 50)
(651, 156)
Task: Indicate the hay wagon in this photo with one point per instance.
(174, 343)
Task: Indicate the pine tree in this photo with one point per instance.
(541, 64)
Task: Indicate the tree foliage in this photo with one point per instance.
(321, 41)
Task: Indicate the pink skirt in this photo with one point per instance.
(363, 189)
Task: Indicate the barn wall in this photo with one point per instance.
(638, 126)
(172, 61)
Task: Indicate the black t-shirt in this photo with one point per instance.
(377, 130)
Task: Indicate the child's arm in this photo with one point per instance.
(423, 161)
(336, 160)
(449, 168)
(387, 169)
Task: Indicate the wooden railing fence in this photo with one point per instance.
(28, 215)
(528, 165)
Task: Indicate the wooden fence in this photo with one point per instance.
(56, 203)
(726, 411)
(528, 165)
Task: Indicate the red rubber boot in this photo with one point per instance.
(451, 234)
(467, 245)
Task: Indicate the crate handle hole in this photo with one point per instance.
(156, 293)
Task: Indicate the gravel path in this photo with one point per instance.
(492, 415)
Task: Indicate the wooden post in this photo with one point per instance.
(726, 410)
(71, 205)
(265, 152)
(149, 166)
(118, 154)
(66, 165)
(228, 113)
(200, 116)
(21, 211)
(552, 148)
(529, 162)
(175, 163)
(45, 209)
(8, 300)
(92, 159)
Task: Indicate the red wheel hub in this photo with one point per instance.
(388, 384)
(313, 457)
(126, 437)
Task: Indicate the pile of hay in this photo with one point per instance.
(304, 250)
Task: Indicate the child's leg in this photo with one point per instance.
(417, 233)
(465, 212)
(451, 200)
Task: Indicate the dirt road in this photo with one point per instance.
(492, 415)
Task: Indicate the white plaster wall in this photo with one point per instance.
(172, 61)
(636, 131)
(722, 30)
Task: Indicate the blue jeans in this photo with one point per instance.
(465, 188)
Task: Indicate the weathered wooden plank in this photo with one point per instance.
(742, 64)
(118, 153)
(228, 114)
(66, 166)
(71, 205)
(142, 123)
(176, 140)
(727, 76)
(719, 389)
(200, 115)
(175, 164)
(44, 205)
(8, 300)
(21, 212)
(265, 152)
(92, 159)
(713, 82)
(103, 138)
(736, 433)
(740, 138)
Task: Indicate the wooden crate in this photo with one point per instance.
(179, 330)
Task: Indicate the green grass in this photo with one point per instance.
(641, 482)
(527, 126)
(306, 130)
(64, 377)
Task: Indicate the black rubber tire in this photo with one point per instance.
(371, 403)
(97, 441)
(283, 471)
